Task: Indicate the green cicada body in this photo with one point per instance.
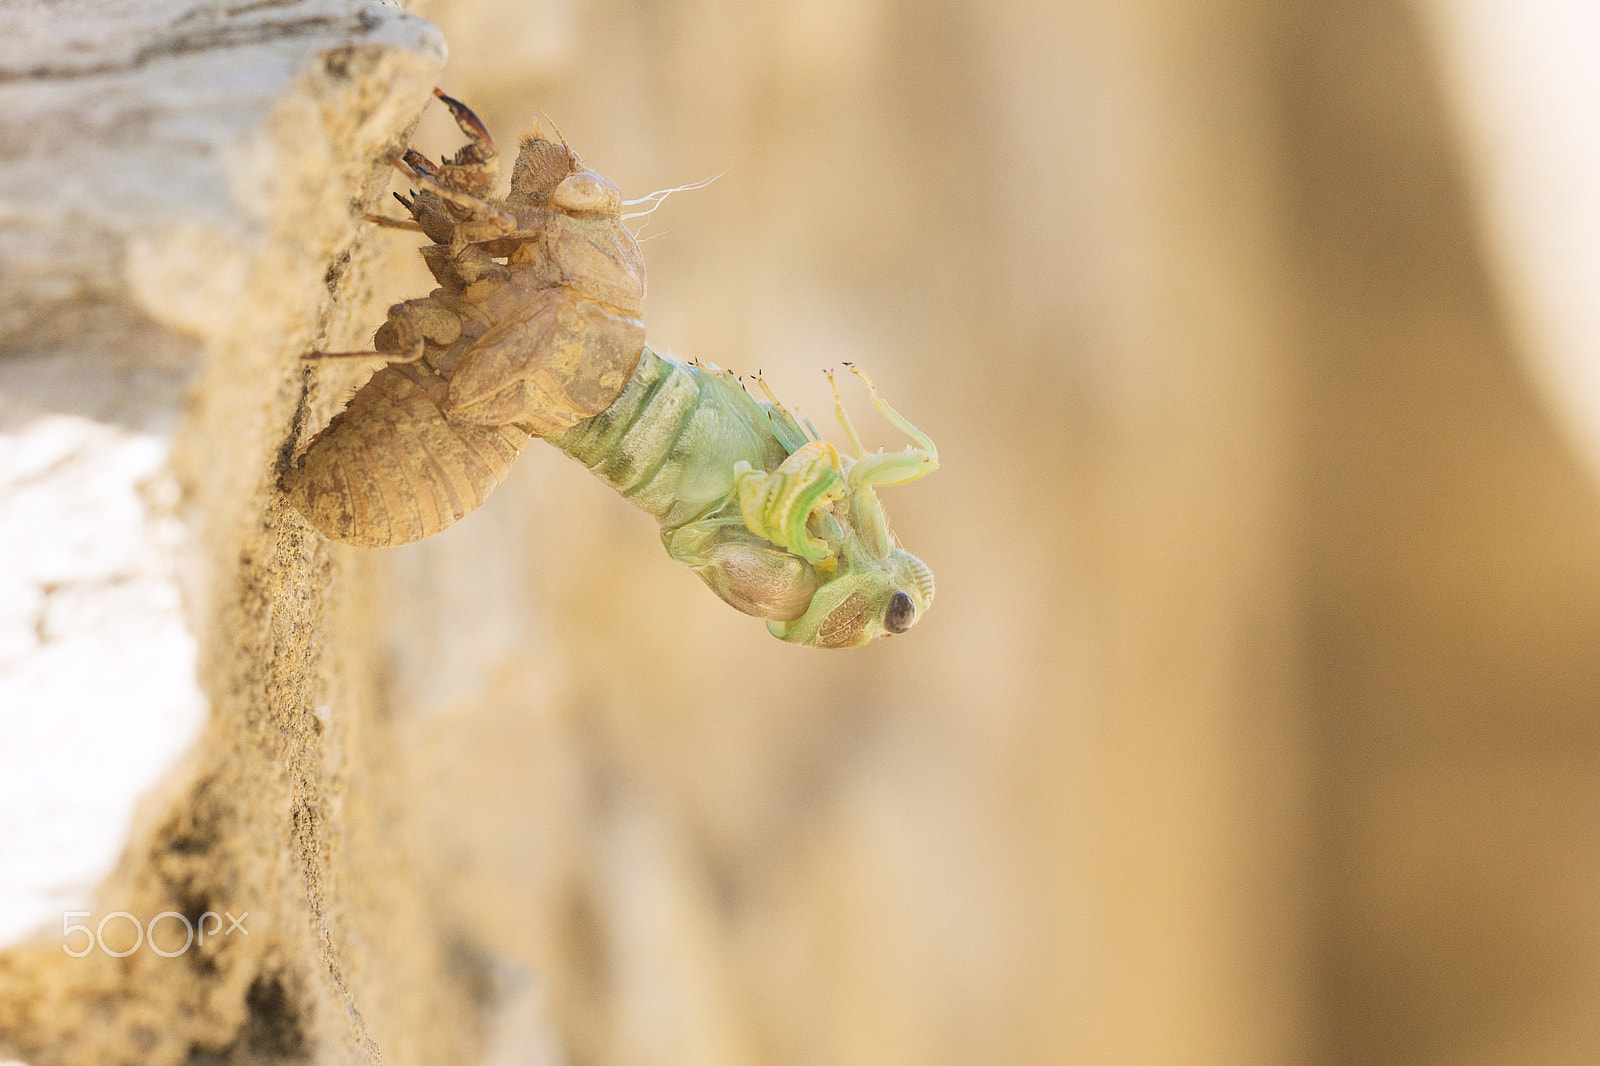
(535, 331)
(765, 515)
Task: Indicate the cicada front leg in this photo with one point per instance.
(911, 463)
(786, 505)
(469, 177)
(466, 181)
(479, 150)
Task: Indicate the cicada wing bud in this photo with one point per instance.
(778, 585)
(748, 573)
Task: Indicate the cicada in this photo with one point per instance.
(535, 330)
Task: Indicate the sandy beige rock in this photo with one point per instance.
(182, 186)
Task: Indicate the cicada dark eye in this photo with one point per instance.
(902, 612)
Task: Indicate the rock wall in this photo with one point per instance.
(1253, 722)
(183, 183)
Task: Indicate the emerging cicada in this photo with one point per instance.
(535, 330)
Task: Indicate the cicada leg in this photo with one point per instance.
(781, 505)
(410, 326)
(386, 222)
(482, 148)
(467, 180)
(889, 468)
(856, 450)
(412, 163)
(494, 221)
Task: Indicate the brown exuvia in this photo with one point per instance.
(501, 351)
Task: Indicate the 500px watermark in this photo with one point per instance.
(194, 933)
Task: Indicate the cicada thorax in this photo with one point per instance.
(565, 332)
(550, 358)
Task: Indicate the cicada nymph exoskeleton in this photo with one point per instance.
(535, 327)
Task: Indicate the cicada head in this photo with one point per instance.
(877, 588)
(548, 173)
(860, 605)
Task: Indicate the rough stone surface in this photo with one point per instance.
(182, 185)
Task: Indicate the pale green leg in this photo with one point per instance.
(891, 468)
(856, 450)
(779, 505)
(795, 418)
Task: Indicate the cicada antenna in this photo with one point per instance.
(559, 137)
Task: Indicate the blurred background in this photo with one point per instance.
(1258, 717)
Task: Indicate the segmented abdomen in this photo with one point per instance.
(392, 469)
(669, 441)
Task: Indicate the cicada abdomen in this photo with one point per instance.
(392, 468)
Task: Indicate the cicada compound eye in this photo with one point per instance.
(901, 613)
(586, 192)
